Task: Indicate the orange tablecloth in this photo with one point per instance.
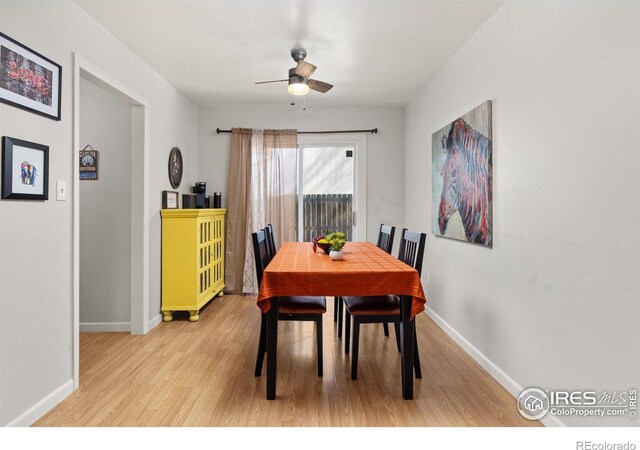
(365, 270)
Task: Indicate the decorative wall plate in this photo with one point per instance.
(175, 167)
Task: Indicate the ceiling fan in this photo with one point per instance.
(299, 81)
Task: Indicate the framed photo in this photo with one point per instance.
(88, 164)
(170, 200)
(29, 80)
(175, 167)
(25, 170)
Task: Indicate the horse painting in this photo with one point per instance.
(462, 178)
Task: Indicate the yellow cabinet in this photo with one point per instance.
(192, 259)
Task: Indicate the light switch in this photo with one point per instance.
(61, 190)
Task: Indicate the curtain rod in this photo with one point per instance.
(372, 131)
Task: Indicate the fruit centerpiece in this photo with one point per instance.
(330, 241)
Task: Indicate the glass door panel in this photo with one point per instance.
(326, 191)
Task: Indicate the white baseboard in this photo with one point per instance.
(154, 322)
(110, 327)
(102, 327)
(496, 372)
(42, 407)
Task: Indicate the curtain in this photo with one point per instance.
(261, 190)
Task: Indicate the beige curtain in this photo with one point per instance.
(261, 190)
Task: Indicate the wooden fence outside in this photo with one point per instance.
(332, 212)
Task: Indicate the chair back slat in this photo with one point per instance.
(261, 253)
(271, 246)
(271, 241)
(385, 237)
(412, 249)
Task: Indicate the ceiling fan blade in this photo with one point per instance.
(272, 81)
(304, 69)
(319, 86)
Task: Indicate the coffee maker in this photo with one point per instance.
(200, 190)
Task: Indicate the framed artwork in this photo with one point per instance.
(175, 167)
(170, 200)
(25, 170)
(29, 80)
(461, 155)
(88, 163)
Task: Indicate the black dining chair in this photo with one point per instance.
(299, 308)
(385, 242)
(271, 242)
(385, 308)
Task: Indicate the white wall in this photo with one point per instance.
(555, 303)
(105, 211)
(385, 159)
(36, 237)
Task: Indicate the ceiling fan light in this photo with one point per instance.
(298, 88)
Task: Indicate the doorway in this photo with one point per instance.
(331, 186)
(136, 250)
(105, 209)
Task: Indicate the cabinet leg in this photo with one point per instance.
(220, 294)
(193, 315)
(167, 316)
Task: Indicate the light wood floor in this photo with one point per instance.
(201, 374)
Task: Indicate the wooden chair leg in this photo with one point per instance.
(319, 344)
(416, 354)
(396, 327)
(340, 314)
(262, 344)
(335, 309)
(354, 350)
(385, 325)
(347, 330)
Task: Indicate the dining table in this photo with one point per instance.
(365, 270)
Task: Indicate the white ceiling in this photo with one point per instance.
(373, 52)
